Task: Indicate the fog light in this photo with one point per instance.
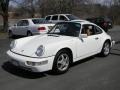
(36, 63)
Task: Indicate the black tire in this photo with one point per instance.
(106, 49)
(61, 66)
(29, 33)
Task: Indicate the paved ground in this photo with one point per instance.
(95, 73)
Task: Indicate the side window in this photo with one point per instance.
(23, 23)
(63, 18)
(97, 30)
(55, 17)
(88, 29)
(20, 23)
(48, 17)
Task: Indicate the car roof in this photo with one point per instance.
(31, 18)
(81, 21)
(77, 21)
(58, 14)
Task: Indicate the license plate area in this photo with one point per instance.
(14, 62)
(19, 65)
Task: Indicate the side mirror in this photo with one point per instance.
(84, 35)
(15, 25)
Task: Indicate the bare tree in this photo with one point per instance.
(81, 8)
(55, 6)
(4, 4)
(27, 6)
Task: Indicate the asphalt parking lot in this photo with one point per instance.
(94, 73)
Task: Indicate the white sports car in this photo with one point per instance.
(66, 43)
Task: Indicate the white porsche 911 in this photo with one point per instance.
(66, 43)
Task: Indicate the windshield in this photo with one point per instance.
(38, 21)
(67, 29)
(72, 17)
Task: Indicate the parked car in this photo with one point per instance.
(61, 17)
(30, 27)
(103, 22)
(64, 44)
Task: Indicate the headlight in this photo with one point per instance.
(40, 51)
(13, 44)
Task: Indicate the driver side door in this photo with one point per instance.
(19, 28)
(87, 46)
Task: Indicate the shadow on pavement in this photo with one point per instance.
(7, 66)
(117, 52)
(83, 60)
(116, 49)
(117, 42)
(16, 37)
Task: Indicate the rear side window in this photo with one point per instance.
(63, 18)
(97, 30)
(48, 17)
(19, 23)
(38, 21)
(23, 23)
(55, 17)
(72, 17)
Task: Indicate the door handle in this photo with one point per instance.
(96, 38)
(26, 27)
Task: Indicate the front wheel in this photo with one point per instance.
(106, 49)
(61, 62)
(29, 33)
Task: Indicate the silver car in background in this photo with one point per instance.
(29, 27)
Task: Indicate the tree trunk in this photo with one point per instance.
(5, 22)
(4, 8)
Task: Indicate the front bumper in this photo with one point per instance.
(21, 61)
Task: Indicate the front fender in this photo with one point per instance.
(51, 50)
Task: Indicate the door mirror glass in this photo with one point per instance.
(15, 25)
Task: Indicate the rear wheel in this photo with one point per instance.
(29, 33)
(61, 62)
(106, 49)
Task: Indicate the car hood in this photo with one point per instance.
(29, 47)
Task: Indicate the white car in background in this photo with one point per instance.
(28, 27)
(66, 43)
(61, 17)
